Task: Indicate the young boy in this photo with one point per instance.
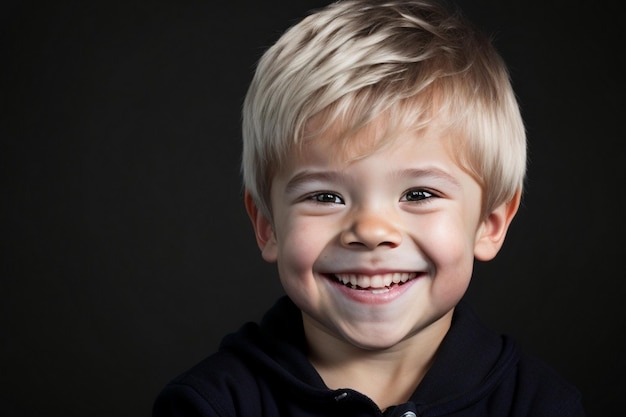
(383, 153)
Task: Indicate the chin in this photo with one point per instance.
(375, 340)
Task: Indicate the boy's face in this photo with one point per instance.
(380, 249)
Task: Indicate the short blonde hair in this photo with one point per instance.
(413, 61)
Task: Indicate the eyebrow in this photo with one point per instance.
(430, 172)
(309, 176)
(333, 176)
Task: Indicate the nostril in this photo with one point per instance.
(371, 232)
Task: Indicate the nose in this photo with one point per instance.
(371, 230)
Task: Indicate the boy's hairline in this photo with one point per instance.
(306, 113)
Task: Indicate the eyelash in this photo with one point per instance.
(423, 195)
(318, 198)
(336, 199)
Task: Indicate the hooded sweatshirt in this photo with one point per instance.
(263, 371)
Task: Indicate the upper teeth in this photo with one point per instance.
(375, 281)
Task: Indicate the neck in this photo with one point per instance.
(388, 376)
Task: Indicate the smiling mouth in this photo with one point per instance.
(378, 283)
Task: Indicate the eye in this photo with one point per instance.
(417, 195)
(329, 198)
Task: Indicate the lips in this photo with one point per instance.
(374, 282)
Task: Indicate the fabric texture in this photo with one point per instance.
(262, 371)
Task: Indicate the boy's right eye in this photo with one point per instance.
(326, 198)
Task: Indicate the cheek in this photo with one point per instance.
(299, 245)
(449, 253)
(448, 244)
(298, 251)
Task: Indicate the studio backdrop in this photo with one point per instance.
(126, 250)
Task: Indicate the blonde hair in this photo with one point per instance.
(413, 61)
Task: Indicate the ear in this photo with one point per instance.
(492, 231)
(263, 230)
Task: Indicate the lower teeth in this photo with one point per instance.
(373, 290)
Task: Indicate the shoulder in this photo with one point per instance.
(249, 374)
(213, 387)
(545, 392)
(497, 369)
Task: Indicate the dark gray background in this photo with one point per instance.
(126, 252)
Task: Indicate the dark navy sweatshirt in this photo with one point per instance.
(263, 371)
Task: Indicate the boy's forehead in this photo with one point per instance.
(344, 142)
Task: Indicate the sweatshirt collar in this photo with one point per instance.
(469, 362)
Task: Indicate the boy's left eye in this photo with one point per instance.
(417, 195)
(326, 198)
